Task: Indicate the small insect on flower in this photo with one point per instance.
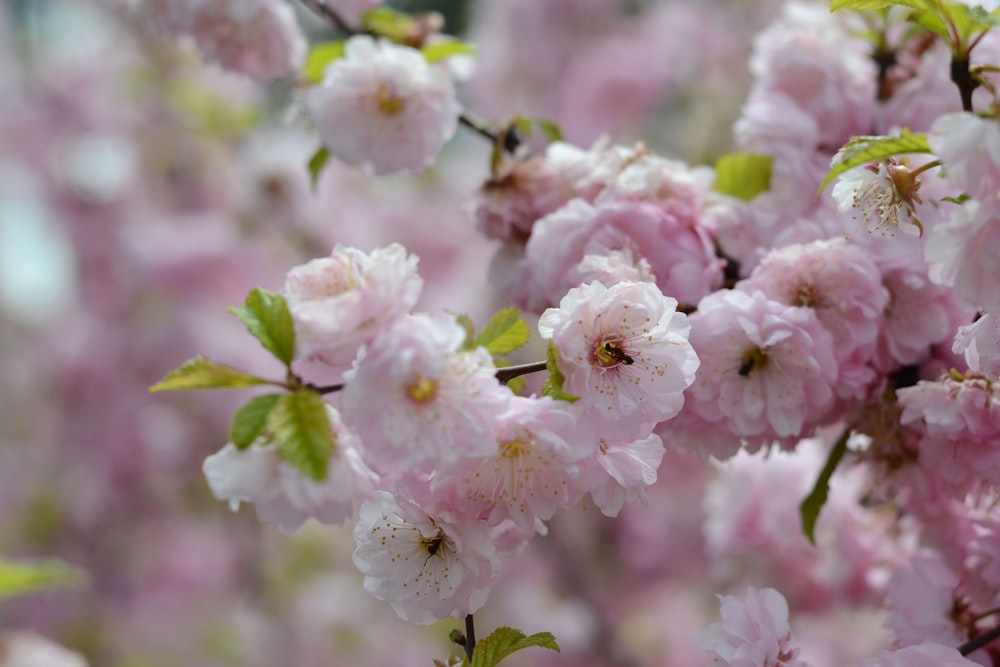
(610, 351)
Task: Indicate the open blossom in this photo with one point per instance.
(427, 567)
(619, 472)
(768, 369)
(281, 493)
(969, 148)
(883, 197)
(341, 302)
(415, 399)
(979, 342)
(754, 632)
(961, 251)
(383, 107)
(920, 655)
(623, 350)
(922, 600)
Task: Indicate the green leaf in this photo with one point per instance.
(811, 506)
(504, 641)
(321, 55)
(863, 150)
(870, 5)
(960, 199)
(269, 321)
(17, 578)
(388, 23)
(317, 163)
(553, 385)
(203, 373)
(504, 333)
(743, 175)
(470, 339)
(550, 129)
(301, 430)
(250, 420)
(443, 50)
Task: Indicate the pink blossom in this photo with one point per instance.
(341, 302)
(530, 475)
(280, 491)
(623, 350)
(768, 370)
(969, 148)
(960, 252)
(259, 38)
(980, 343)
(922, 599)
(883, 196)
(619, 472)
(383, 107)
(435, 404)
(622, 240)
(926, 654)
(753, 632)
(509, 203)
(425, 566)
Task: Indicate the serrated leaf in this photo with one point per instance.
(203, 373)
(268, 320)
(553, 385)
(504, 641)
(301, 431)
(17, 578)
(465, 322)
(504, 333)
(439, 51)
(863, 150)
(743, 175)
(550, 129)
(250, 420)
(320, 56)
(810, 508)
(317, 163)
(870, 5)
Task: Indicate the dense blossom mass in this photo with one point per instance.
(778, 374)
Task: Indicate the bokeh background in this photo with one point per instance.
(142, 193)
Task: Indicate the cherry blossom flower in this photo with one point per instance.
(921, 599)
(768, 370)
(960, 251)
(341, 302)
(425, 566)
(979, 342)
(754, 632)
(435, 404)
(883, 195)
(624, 351)
(280, 492)
(383, 107)
(969, 148)
(619, 472)
(926, 654)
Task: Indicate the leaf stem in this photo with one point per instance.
(470, 636)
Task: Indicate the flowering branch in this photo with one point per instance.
(470, 636)
(980, 641)
(505, 375)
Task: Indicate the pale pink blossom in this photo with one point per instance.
(922, 599)
(383, 107)
(259, 38)
(281, 493)
(926, 654)
(425, 566)
(754, 632)
(435, 404)
(620, 472)
(969, 148)
(623, 350)
(979, 342)
(883, 197)
(530, 475)
(508, 204)
(341, 302)
(768, 370)
(961, 252)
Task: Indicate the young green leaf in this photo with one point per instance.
(960, 199)
(301, 430)
(870, 5)
(810, 508)
(17, 578)
(269, 321)
(553, 385)
(447, 49)
(743, 175)
(388, 23)
(504, 641)
(550, 129)
(862, 150)
(321, 55)
(317, 163)
(203, 373)
(250, 420)
(504, 333)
